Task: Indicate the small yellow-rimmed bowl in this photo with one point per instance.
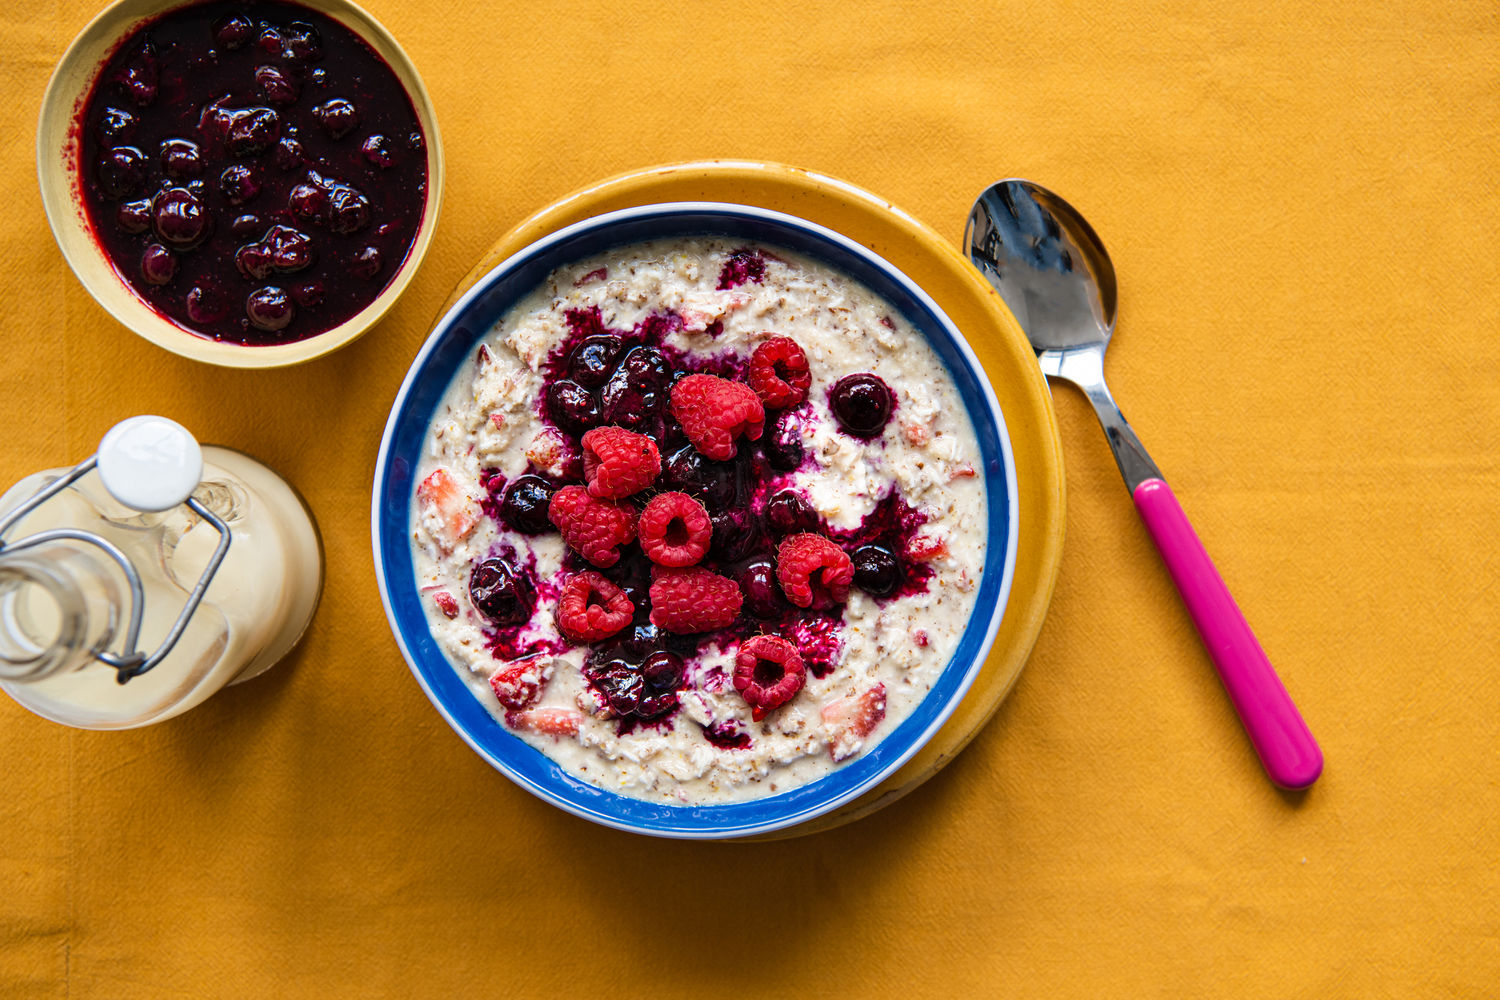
(58, 161)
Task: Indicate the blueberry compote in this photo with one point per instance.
(254, 171)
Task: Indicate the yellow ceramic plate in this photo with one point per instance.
(988, 326)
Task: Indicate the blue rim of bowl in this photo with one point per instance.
(450, 347)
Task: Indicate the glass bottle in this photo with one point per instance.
(137, 584)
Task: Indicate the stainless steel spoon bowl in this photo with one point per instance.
(1053, 272)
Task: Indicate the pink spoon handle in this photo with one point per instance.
(1286, 746)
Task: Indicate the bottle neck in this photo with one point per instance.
(58, 606)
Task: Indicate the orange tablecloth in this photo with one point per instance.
(1301, 205)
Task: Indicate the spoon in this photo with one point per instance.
(1053, 272)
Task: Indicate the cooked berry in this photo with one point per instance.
(637, 390)
(308, 293)
(640, 641)
(693, 600)
(253, 260)
(204, 305)
(782, 444)
(740, 267)
(768, 673)
(245, 225)
(779, 373)
(501, 594)
(618, 463)
(179, 218)
(238, 184)
(813, 572)
(620, 685)
(252, 131)
(523, 505)
(234, 31)
(338, 117)
(269, 308)
(367, 263)
(116, 126)
(762, 593)
(289, 154)
(662, 671)
(181, 158)
(134, 216)
(572, 407)
(141, 75)
(276, 86)
(300, 40)
(593, 360)
(592, 608)
(734, 533)
(121, 171)
(674, 530)
(379, 152)
(876, 570)
(862, 404)
(712, 482)
(158, 265)
(308, 202)
(787, 513)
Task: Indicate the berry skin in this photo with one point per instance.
(813, 572)
(849, 720)
(693, 600)
(592, 608)
(675, 530)
(595, 528)
(715, 411)
(862, 404)
(618, 463)
(876, 570)
(501, 594)
(779, 373)
(547, 721)
(767, 673)
(518, 685)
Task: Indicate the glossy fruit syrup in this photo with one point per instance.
(254, 171)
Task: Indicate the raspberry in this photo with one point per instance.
(779, 373)
(675, 530)
(595, 528)
(519, 684)
(714, 411)
(813, 572)
(767, 673)
(592, 608)
(617, 462)
(693, 600)
(849, 720)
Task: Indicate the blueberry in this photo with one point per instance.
(337, 116)
(245, 226)
(234, 31)
(252, 131)
(254, 261)
(204, 305)
(763, 597)
(269, 309)
(116, 126)
(301, 40)
(308, 202)
(366, 263)
(593, 360)
(637, 391)
(291, 249)
(277, 87)
(179, 218)
(308, 294)
(134, 216)
(158, 264)
(621, 686)
(862, 404)
(379, 152)
(238, 184)
(876, 570)
(788, 514)
(121, 171)
(348, 210)
(501, 594)
(734, 534)
(662, 671)
(523, 505)
(572, 407)
(289, 154)
(782, 443)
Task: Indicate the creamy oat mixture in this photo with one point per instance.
(493, 422)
